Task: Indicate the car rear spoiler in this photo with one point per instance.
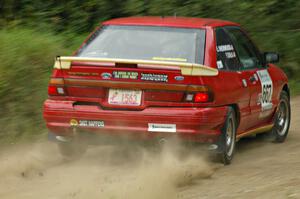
(186, 68)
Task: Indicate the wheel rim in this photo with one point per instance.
(230, 137)
(283, 118)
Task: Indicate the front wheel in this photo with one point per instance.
(282, 119)
(227, 140)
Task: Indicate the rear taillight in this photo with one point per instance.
(199, 97)
(198, 94)
(56, 87)
(54, 90)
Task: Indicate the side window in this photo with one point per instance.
(226, 54)
(248, 54)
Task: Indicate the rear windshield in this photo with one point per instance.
(147, 43)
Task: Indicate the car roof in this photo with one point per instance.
(187, 22)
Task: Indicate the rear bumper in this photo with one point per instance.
(196, 124)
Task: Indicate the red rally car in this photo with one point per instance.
(202, 80)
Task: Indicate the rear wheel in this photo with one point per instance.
(226, 143)
(282, 119)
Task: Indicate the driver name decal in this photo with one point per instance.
(227, 49)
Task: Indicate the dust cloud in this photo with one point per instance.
(114, 171)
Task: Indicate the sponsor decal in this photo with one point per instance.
(86, 123)
(91, 123)
(154, 77)
(179, 78)
(170, 128)
(220, 64)
(106, 75)
(73, 122)
(83, 74)
(125, 75)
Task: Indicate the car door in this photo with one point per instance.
(256, 76)
(234, 81)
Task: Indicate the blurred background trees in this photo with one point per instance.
(274, 24)
(32, 32)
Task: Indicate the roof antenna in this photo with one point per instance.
(175, 14)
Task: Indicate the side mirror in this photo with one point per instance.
(271, 57)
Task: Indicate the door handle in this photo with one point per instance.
(253, 78)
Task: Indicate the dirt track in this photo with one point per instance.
(260, 170)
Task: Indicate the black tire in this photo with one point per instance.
(282, 119)
(227, 140)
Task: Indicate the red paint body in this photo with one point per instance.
(196, 121)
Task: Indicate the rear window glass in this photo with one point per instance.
(147, 43)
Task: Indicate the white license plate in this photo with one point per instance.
(125, 97)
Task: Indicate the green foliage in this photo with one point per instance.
(294, 85)
(26, 62)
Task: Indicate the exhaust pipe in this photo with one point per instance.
(162, 141)
(65, 138)
(62, 138)
(212, 147)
